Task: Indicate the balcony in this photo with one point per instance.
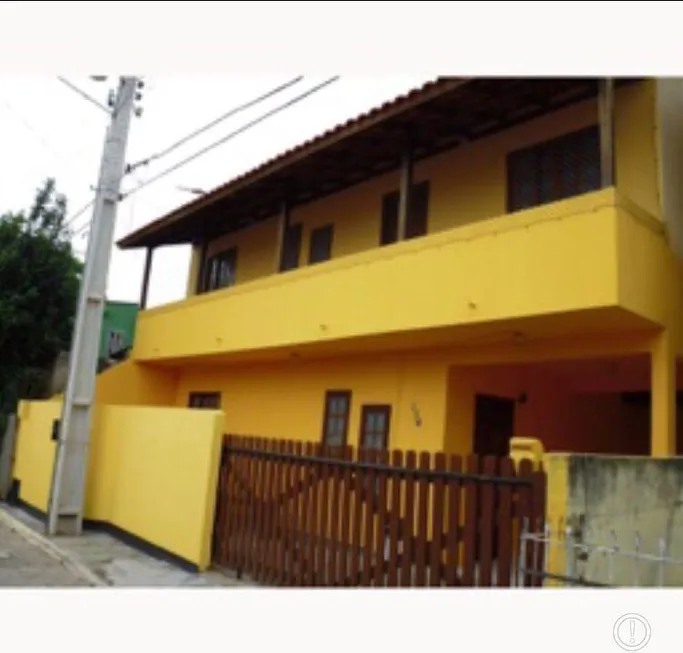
(591, 262)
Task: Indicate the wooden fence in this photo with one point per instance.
(295, 514)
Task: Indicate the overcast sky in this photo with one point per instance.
(47, 129)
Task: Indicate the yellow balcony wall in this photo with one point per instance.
(468, 184)
(559, 258)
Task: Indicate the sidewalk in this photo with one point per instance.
(25, 565)
(99, 559)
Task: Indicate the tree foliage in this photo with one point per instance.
(39, 283)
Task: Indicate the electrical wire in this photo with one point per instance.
(83, 94)
(29, 127)
(184, 140)
(231, 135)
(213, 123)
(77, 215)
(285, 105)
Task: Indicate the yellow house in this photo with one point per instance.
(478, 259)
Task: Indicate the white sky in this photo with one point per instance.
(47, 129)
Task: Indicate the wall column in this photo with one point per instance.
(663, 382)
(201, 268)
(606, 121)
(405, 189)
(283, 226)
(145, 278)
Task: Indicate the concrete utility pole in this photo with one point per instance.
(65, 510)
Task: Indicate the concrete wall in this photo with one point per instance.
(602, 497)
(152, 471)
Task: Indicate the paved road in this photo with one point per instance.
(23, 564)
(113, 562)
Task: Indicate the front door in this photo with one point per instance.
(494, 425)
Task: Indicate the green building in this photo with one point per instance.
(118, 329)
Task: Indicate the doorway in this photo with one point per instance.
(494, 425)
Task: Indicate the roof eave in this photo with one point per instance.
(144, 237)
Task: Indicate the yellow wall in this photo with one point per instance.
(256, 247)
(132, 384)
(506, 268)
(468, 184)
(152, 471)
(35, 451)
(287, 400)
(558, 510)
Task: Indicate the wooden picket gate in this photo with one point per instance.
(293, 514)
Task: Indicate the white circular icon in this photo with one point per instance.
(632, 632)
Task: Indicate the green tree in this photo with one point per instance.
(39, 282)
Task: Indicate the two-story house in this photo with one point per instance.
(477, 259)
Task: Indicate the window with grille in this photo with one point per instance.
(210, 400)
(555, 170)
(321, 244)
(336, 419)
(375, 422)
(418, 212)
(221, 270)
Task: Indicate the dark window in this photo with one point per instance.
(291, 248)
(389, 233)
(221, 270)
(374, 427)
(554, 170)
(418, 212)
(321, 244)
(336, 419)
(211, 400)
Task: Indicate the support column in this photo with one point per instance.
(283, 226)
(145, 278)
(663, 382)
(405, 190)
(606, 121)
(201, 270)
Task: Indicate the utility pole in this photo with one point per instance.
(65, 510)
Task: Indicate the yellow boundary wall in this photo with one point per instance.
(152, 472)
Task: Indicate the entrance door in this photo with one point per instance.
(494, 425)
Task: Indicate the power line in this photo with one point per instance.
(215, 122)
(215, 144)
(184, 140)
(83, 94)
(232, 135)
(78, 214)
(44, 142)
